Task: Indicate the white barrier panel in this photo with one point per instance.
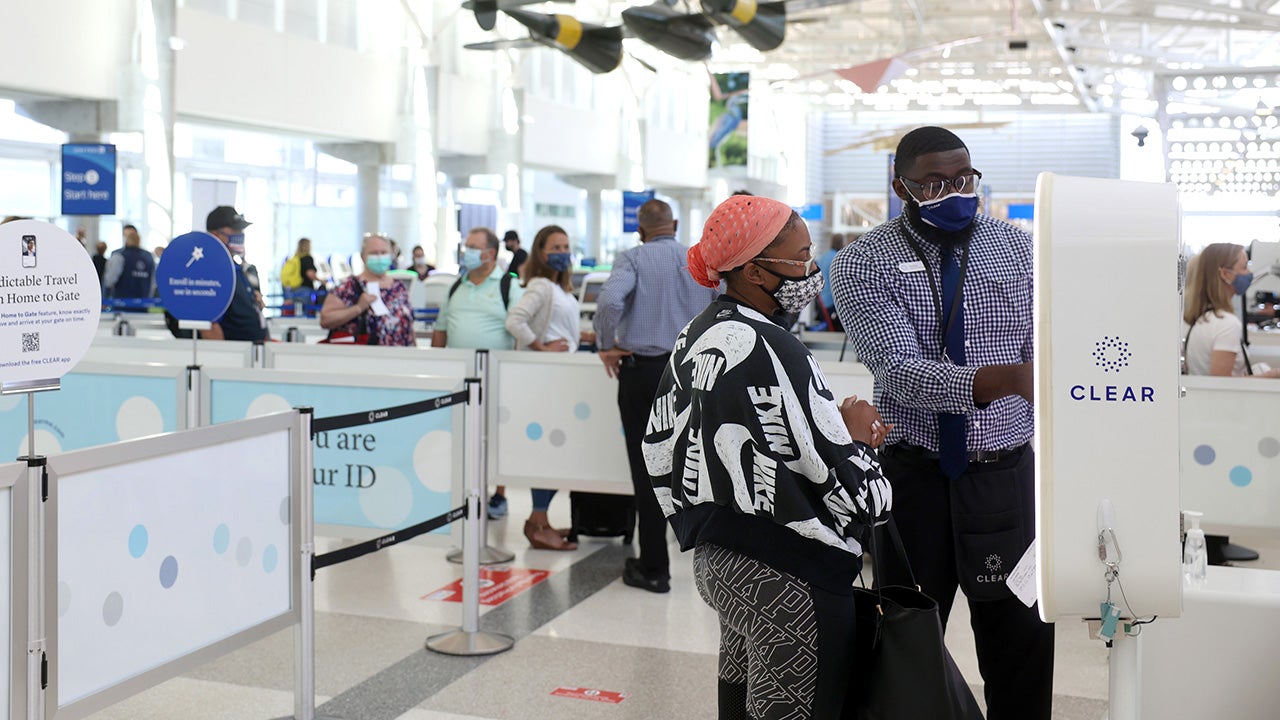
(170, 351)
(381, 476)
(556, 423)
(1106, 323)
(169, 551)
(1219, 659)
(371, 360)
(1230, 450)
(99, 403)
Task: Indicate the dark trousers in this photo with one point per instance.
(1015, 649)
(637, 385)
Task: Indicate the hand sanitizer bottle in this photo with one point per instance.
(1195, 559)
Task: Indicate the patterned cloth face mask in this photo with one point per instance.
(795, 294)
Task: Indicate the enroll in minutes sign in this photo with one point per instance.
(49, 301)
(196, 277)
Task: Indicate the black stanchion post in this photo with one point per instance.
(469, 640)
(489, 555)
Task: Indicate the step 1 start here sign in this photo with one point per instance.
(49, 301)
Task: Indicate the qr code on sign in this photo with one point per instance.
(31, 342)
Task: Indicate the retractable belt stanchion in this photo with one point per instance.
(193, 370)
(304, 633)
(489, 555)
(469, 640)
(37, 482)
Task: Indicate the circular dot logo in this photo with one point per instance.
(91, 177)
(1111, 354)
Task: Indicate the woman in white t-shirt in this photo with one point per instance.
(1211, 331)
(546, 319)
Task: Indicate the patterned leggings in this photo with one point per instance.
(785, 646)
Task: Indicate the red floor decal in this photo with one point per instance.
(604, 696)
(497, 585)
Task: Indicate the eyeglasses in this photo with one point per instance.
(808, 265)
(930, 190)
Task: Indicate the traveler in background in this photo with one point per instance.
(474, 314)
(648, 298)
(420, 264)
(100, 260)
(371, 303)
(511, 240)
(937, 304)
(829, 314)
(1212, 332)
(299, 271)
(243, 319)
(770, 481)
(131, 271)
(157, 252)
(546, 319)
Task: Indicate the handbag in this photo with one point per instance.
(904, 669)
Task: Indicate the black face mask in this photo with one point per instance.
(938, 236)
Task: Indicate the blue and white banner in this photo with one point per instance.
(385, 475)
(88, 179)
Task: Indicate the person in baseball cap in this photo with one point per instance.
(243, 319)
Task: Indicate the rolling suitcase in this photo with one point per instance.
(602, 515)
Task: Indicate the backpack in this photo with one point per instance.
(291, 274)
(504, 287)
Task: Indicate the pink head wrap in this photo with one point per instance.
(737, 230)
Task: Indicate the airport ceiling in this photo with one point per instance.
(1060, 55)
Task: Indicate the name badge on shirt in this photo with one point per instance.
(911, 267)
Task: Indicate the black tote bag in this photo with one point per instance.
(905, 671)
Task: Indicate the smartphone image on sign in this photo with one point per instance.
(28, 251)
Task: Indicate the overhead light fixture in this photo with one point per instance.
(1263, 109)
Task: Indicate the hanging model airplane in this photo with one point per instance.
(487, 10)
(596, 47)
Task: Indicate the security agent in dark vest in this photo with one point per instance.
(243, 319)
(131, 271)
(937, 304)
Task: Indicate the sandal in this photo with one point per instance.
(545, 537)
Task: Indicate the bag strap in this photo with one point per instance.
(504, 287)
(895, 537)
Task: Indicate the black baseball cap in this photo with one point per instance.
(225, 216)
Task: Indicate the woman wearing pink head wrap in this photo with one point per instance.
(762, 474)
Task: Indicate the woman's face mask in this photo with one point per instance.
(559, 261)
(795, 294)
(1241, 283)
(378, 264)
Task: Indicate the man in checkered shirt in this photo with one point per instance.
(937, 304)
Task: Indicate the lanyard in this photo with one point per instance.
(937, 294)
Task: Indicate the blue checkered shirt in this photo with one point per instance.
(894, 325)
(649, 298)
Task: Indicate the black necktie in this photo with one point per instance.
(952, 452)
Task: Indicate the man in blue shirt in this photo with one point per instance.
(243, 319)
(647, 300)
(131, 271)
(828, 302)
(937, 303)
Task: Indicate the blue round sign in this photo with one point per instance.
(196, 277)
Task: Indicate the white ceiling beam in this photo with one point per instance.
(1068, 63)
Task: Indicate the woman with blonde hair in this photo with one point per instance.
(1212, 334)
(546, 319)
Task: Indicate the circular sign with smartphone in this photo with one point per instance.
(49, 301)
(196, 277)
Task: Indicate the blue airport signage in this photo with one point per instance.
(631, 202)
(812, 212)
(196, 277)
(88, 179)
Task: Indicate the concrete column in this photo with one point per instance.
(594, 226)
(367, 186)
(369, 158)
